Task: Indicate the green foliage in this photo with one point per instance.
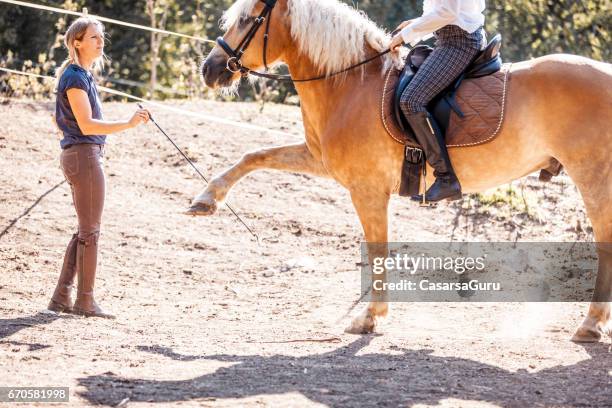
(33, 38)
(389, 14)
(508, 200)
(539, 27)
(18, 86)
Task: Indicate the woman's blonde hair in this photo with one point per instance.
(76, 32)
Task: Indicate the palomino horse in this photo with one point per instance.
(558, 107)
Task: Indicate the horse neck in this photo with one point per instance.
(321, 100)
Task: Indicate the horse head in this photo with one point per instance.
(244, 46)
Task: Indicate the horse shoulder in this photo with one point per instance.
(355, 146)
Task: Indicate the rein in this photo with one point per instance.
(234, 65)
(288, 78)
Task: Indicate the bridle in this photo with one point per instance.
(235, 55)
(234, 64)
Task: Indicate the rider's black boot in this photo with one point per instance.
(431, 140)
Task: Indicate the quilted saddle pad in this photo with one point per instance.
(482, 101)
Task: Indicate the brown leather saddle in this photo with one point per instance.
(469, 112)
(487, 62)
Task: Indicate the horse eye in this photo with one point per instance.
(245, 20)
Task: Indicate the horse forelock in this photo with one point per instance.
(332, 34)
(239, 9)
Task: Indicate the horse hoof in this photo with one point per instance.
(586, 335)
(364, 323)
(589, 333)
(361, 326)
(202, 209)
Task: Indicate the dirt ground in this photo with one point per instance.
(206, 317)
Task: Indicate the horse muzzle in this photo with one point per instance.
(216, 73)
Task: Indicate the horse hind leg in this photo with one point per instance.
(596, 188)
(598, 322)
(294, 158)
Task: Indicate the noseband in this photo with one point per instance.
(235, 55)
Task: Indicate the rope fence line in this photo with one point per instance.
(105, 19)
(179, 111)
(126, 95)
(127, 82)
(137, 84)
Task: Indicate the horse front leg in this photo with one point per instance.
(372, 208)
(295, 158)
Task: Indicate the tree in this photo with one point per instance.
(165, 66)
(154, 7)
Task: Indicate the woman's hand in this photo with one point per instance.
(79, 103)
(139, 117)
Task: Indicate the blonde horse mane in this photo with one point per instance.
(333, 35)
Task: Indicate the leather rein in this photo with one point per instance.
(235, 55)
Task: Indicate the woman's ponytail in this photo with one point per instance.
(60, 71)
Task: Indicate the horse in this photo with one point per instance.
(558, 107)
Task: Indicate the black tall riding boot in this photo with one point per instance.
(431, 140)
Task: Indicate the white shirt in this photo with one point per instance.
(467, 14)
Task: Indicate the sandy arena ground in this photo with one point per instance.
(206, 317)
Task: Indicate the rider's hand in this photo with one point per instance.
(396, 43)
(139, 117)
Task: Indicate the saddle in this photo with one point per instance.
(469, 112)
(487, 62)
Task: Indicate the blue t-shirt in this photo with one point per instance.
(76, 77)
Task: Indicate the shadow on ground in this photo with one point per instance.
(8, 327)
(341, 377)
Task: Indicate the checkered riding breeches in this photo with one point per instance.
(454, 51)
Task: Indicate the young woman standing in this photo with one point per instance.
(79, 117)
